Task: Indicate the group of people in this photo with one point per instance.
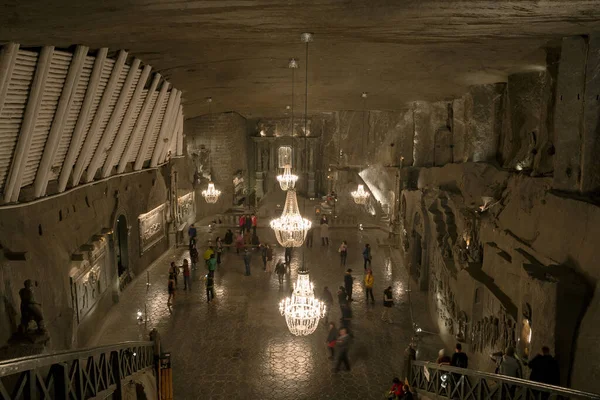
(544, 368)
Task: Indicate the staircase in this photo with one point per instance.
(434, 381)
(99, 372)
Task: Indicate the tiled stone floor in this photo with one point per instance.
(239, 347)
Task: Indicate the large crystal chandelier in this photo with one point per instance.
(211, 195)
(360, 195)
(290, 229)
(287, 180)
(302, 310)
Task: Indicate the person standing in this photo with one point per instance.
(367, 255)
(192, 232)
(388, 303)
(346, 319)
(369, 281)
(544, 368)
(212, 265)
(443, 358)
(324, 219)
(342, 297)
(309, 237)
(343, 250)
(459, 359)
(219, 245)
(288, 255)
(247, 259)
(254, 222)
(325, 233)
(327, 298)
(248, 224)
(342, 346)
(171, 289)
(228, 238)
(348, 282)
(186, 275)
(280, 271)
(509, 365)
(239, 243)
(173, 270)
(242, 224)
(210, 290)
(207, 253)
(397, 390)
(269, 265)
(331, 339)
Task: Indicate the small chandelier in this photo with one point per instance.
(290, 229)
(287, 180)
(360, 196)
(211, 195)
(302, 310)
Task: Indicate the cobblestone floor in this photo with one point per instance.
(239, 347)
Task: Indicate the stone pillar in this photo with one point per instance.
(484, 107)
(568, 116)
(311, 184)
(259, 185)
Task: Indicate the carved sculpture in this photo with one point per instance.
(31, 310)
(494, 333)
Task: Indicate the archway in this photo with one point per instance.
(122, 250)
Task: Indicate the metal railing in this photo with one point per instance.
(466, 384)
(79, 374)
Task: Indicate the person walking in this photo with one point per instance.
(332, 336)
(342, 346)
(309, 237)
(207, 253)
(367, 255)
(171, 289)
(280, 271)
(288, 255)
(348, 282)
(239, 243)
(388, 303)
(247, 259)
(346, 320)
(212, 265)
(173, 270)
(194, 257)
(327, 298)
(219, 248)
(459, 358)
(228, 238)
(369, 281)
(544, 368)
(263, 254)
(342, 297)
(186, 275)
(269, 265)
(210, 290)
(509, 365)
(254, 222)
(343, 250)
(325, 233)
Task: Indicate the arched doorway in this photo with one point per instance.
(122, 250)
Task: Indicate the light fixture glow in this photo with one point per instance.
(211, 195)
(302, 310)
(290, 229)
(360, 196)
(287, 180)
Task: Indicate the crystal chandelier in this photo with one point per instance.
(290, 229)
(211, 195)
(287, 180)
(360, 196)
(302, 310)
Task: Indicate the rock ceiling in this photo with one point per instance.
(237, 51)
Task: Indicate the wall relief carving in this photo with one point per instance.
(493, 333)
(152, 227)
(186, 209)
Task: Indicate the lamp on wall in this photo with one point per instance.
(287, 180)
(211, 194)
(360, 195)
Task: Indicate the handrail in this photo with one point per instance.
(474, 378)
(16, 365)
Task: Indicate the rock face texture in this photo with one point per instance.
(401, 51)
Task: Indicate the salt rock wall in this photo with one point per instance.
(50, 231)
(218, 145)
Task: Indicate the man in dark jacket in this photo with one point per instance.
(342, 297)
(348, 281)
(544, 368)
(459, 359)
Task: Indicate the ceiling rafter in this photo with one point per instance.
(139, 161)
(166, 127)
